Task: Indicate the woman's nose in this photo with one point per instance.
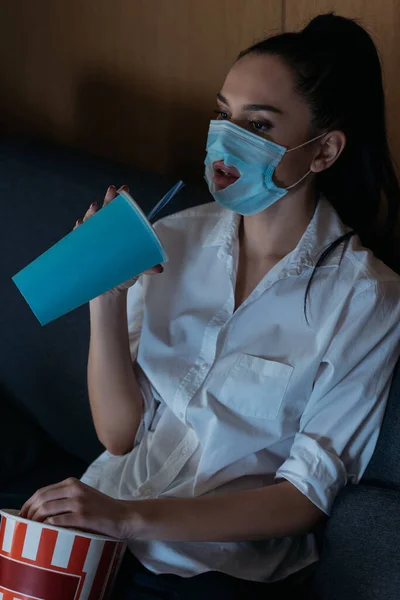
(240, 122)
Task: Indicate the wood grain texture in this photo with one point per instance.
(382, 20)
(130, 79)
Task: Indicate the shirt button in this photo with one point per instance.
(180, 415)
(184, 451)
(147, 492)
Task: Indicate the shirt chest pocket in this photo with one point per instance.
(255, 387)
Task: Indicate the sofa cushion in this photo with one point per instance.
(384, 468)
(360, 558)
(29, 458)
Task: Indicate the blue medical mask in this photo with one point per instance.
(256, 160)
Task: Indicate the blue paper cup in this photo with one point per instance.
(111, 247)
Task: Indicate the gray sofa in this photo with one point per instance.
(46, 433)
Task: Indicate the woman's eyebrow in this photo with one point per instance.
(267, 107)
(252, 107)
(222, 99)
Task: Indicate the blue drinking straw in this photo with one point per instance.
(164, 201)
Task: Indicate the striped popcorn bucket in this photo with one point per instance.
(42, 562)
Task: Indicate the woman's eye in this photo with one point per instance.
(261, 126)
(222, 115)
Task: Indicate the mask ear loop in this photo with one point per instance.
(318, 137)
(289, 187)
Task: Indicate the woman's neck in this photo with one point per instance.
(276, 231)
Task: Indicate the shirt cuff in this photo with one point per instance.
(314, 471)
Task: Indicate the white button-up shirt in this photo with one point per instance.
(237, 399)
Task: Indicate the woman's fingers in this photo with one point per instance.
(54, 507)
(111, 193)
(128, 284)
(154, 270)
(74, 520)
(46, 494)
(93, 208)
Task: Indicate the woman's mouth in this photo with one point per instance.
(223, 175)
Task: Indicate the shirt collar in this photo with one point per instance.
(227, 227)
(324, 228)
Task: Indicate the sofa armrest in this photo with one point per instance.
(360, 556)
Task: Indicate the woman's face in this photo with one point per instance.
(259, 95)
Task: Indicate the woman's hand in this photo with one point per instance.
(110, 195)
(72, 503)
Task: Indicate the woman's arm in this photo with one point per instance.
(269, 512)
(274, 511)
(114, 394)
(115, 397)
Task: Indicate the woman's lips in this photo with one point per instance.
(223, 175)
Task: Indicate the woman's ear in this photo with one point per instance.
(331, 148)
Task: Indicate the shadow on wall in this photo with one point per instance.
(133, 122)
(18, 118)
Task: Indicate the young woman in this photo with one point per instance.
(262, 355)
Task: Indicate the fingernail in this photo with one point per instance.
(79, 222)
(111, 187)
(94, 205)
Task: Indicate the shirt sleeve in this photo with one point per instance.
(135, 311)
(340, 425)
(135, 308)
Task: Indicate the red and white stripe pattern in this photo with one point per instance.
(42, 563)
